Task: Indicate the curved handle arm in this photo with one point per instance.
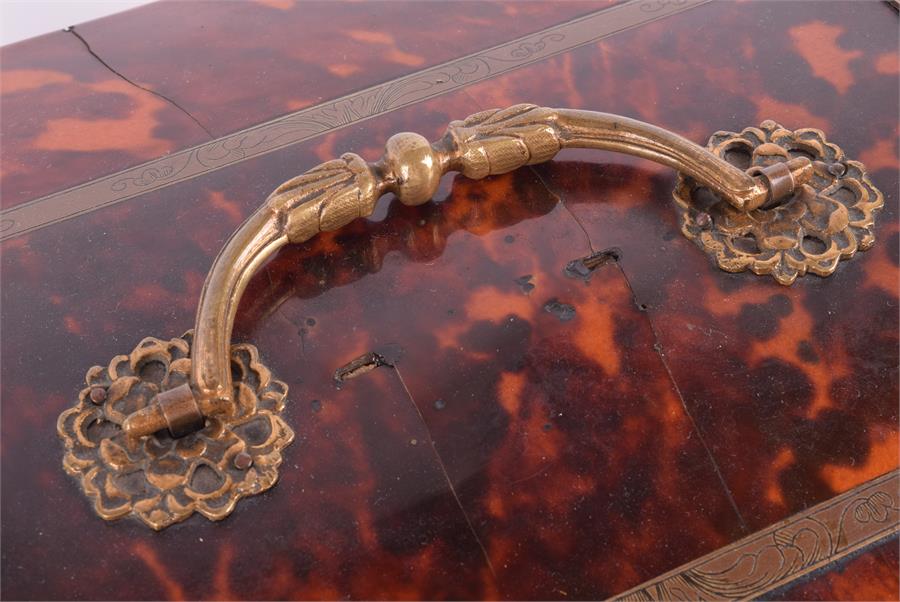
(335, 193)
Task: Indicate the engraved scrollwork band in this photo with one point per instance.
(786, 551)
(313, 121)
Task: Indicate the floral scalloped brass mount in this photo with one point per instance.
(194, 424)
(827, 220)
(159, 479)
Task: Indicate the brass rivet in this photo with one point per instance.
(703, 220)
(837, 169)
(98, 395)
(243, 461)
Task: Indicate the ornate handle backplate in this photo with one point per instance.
(767, 199)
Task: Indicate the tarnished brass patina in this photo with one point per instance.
(827, 220)
(784, 176)
(160, 479)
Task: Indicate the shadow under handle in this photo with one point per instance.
(337, 192)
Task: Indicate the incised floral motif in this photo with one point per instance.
(830, 219)
(159, 479)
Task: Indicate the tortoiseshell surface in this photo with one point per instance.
(804, 376)
(217, 68)
(542, 436)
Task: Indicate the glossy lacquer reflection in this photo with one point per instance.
(793, 389)
(528, 397)
(524, 434)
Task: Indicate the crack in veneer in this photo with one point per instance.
(120, 75)
(312, 122)
(612, 255)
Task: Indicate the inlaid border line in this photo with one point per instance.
(786, 551)
(310, 122)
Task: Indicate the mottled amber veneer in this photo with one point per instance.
(576, 470)
(564, 440)
(546, 403)
(870, 575)
(794, 389)
(245, 62)
(229, 65)
(66, 118)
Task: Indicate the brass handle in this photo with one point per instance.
(335, 193)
